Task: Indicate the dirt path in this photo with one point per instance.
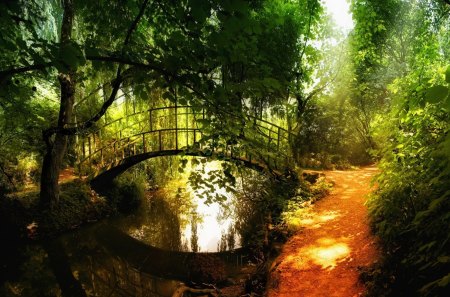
(323, 258)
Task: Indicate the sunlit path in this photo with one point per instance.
(323, 258)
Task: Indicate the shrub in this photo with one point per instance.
(127, 192)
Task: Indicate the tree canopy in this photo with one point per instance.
(378, 94)
(219, 55)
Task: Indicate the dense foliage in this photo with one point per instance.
(379, 93)
(403, 64)
(75, 59)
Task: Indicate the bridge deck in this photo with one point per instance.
(175, 130)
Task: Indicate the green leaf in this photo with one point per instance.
(436, 94)
(447, 103)
(443, 282)
(168, 96)
(70, 56)
(444, 259)
(204, 123)
(92, 51)
(447, 74)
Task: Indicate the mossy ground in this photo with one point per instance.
(21, 217)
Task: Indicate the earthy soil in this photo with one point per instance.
(324, 257)
(67, 175)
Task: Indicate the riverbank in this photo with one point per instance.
(22, 219)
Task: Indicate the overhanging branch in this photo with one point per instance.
(147, 65)
(115, 84)
(12, 71)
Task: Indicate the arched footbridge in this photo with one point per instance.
(119, 144)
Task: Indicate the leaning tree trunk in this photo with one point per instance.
(57, 144)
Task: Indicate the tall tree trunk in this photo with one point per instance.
(57, 145)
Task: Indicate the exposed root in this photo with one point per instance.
(179, 292)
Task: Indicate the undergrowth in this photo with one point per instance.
(127, 191)
(410, 211)
(312, 188)
(22, 217)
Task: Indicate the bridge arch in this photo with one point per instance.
(101, 181)
(177, 130)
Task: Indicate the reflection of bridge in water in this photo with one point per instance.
(137, 269)
(164, 131)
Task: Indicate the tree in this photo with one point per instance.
(209, 53)
(409, 210)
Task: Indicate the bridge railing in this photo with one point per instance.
(177, 128)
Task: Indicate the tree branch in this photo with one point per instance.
(153, 66)
(123, 61)
(12, 71)
(177, 21)
(115, 84)
(134, 24)
(8, 176)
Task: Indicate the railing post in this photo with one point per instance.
(115, 151)
(83, 149)
(160, 140)
(143, 143)
(176, 125)
(89, 144)
(94, 145)
(187, 127)
(278, 139)
(123, 152)
(151, 120)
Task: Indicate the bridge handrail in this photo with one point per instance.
(285, 135)
(136, 138)
(251, 117)
(272, 135)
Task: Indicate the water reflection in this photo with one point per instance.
(191, 226)
(176, 218)
(157, 223)
(144, 254)
(104, 261)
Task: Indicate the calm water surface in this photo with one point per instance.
(147, 253)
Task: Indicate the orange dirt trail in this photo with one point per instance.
(322, 259)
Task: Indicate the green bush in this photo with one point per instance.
(410, 211)
(127, 192)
